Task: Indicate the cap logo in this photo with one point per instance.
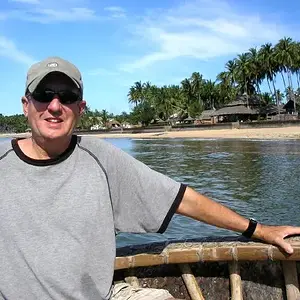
(52, 65)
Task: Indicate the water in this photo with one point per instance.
(256, 178)
(3, 139)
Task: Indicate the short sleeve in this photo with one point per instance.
(143, 199)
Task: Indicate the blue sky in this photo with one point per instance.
(118, 42)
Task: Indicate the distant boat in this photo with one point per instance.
(228, 268)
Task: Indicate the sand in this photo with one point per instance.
(292, 132)
(253, 133)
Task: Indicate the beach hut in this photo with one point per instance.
(244, 108)
(112, 123)
(290, 108)
(174, 119)
(207, 117)
(271, 111)
(235, 113)
(189, 120)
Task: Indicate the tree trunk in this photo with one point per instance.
(298, 80)
(276, 96)
(291, 90)
(268, 81)
(245, 91)
(283, 79)
(290, 79)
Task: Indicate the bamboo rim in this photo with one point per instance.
(209, 252)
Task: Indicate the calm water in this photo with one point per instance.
(256, 178)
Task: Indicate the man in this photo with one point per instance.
(64, 198)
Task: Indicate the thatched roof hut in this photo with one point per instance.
(242, 108)
(253, 101)
(272, 109)
(290, 105)
(189, 119)
(235, 110)
(113, 123)
(290, 108)
(207, 114)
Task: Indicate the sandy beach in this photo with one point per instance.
(292, 132)
(253, 133)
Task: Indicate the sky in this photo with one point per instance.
(115, 43)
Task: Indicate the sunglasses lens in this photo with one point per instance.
(65, 97)
(41, 96)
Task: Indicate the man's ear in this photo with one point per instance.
(25, 102)
(81, 106)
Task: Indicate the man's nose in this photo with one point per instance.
(55, 104)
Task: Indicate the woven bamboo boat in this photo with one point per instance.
(228, 268)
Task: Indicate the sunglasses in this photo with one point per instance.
(65, 97)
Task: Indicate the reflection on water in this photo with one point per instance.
(256, 178)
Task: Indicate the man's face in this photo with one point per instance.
(50, 113)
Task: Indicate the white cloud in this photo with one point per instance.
(46, 11)
(9, 50)
(200, 29)
(49, 15)
(116, 11)
(114, 8)
(26, 1)
(102, 72)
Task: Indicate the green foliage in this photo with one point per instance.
(123, 117)
(266, 99)
(243, 74)
(14, 123)
(142, 113)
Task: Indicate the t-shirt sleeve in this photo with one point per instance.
(143, 199)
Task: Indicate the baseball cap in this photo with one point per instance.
(39, 70)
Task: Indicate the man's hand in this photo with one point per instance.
(276, 235)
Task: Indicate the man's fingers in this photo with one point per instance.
(292, 231)
(277, 236)
(284, 244)
(286, 247)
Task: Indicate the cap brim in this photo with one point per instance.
(33, 85)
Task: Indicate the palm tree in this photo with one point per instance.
(231, 69)
(196, 83)
(104, 117)
(136, 93)
(266, 54)
(209, 94)
(266, 99)
(226, 90)
(146, 94)
(243, 76)
(255, 68)
(139, 89)
(187, 94)
(284, 53)
(132, 96)
(296, 63)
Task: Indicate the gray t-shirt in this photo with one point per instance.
(59, 217)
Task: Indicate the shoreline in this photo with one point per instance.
(275, 133)
(291, 132)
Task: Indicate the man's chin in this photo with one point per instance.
(55, 136)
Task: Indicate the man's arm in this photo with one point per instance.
(201, 208)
